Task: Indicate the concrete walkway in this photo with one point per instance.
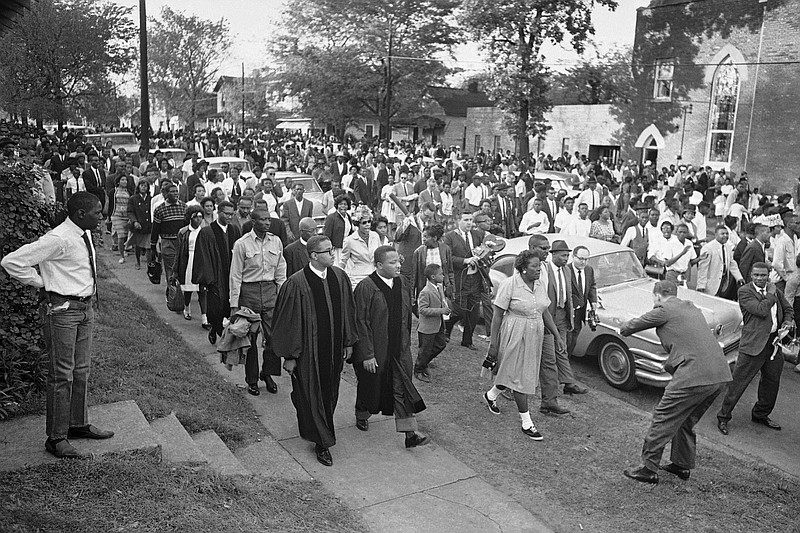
(394, 489)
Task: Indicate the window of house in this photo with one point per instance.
(477, 144)
(369, 130)
(724, 101)
(665, 68)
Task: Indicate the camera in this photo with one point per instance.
(591, 319)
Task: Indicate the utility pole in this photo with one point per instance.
(687, 109)
(144, 110)
(242, 97)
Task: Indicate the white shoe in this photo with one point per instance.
(121, 260)
(797, 368)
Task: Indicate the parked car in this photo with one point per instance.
(244, 164)
(118, 140)
(178, 155)
(624, 291)
(313, 191)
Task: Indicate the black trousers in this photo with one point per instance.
(747, 366)
(430, 345)
(466, 305)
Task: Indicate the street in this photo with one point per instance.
(776, 448)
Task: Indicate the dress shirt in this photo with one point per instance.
(773, 310)
(467, 236)
(630, 234)
(63, 261)
(577, 226)
(447, 204)
(562, 218)
(580, 278)
(388, 281)
(255, 259)
(665, 250)
(783, 259)
(299, 204)
(323, 274)
(589, 197)
(531, 217)
(561, 287)
(474, 194)
(433, 257)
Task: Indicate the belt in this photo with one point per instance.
(257, 282)
(71, 298)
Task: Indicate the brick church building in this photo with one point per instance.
(717, 83)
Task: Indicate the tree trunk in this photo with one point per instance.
(522, 128)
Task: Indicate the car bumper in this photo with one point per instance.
(650, 366)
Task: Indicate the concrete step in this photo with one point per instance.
(22, 439)
(177, 445)
(220, 459)
(268, 458)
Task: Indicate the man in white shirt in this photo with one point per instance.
(475, 192)
(676, 254)
(591, 195)
(563, 216)
(783, 258)
(579, 225)
(535, 221)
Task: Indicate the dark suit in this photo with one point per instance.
(95, 186)
(753, 253)
(756, 349)
(296, 255)
(554, 367)
(699, 371)
(551, 213)
(506, 218)
(292, 218)
(467, 287)
(363, 191)
(581, 296)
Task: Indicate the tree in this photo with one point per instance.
(512, 34)
(185, 54)
(608, 79)
(61, 53)
(372, 57)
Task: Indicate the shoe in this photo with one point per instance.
(553, 410)
(575, 388)
(417, 440)
(272, 387)
(62, 449)
(363, 425)
(469, 346)
(187, 314)
(642, 474)
(205, 325)
(491, 404)
(324, 456)
(447, 340)
(722, 426)
(138, 266)
(253, 389)
(679, 471)
(767, 421)
(422, 375)
(532, 433)
(121, 260)
(212, 337)
(89, 432)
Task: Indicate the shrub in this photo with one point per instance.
(23, 219)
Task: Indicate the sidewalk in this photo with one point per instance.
(394, 489)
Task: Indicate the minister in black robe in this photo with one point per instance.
(382, 357)
(212, 266)
(296, 253)
(314, 331)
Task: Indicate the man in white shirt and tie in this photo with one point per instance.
(590, 196)
(535, 221)
(68, 281)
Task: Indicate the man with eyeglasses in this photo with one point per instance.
(584, 300)
(314, 331)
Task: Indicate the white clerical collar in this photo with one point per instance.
(388, 281)
(224, 228)
(321, 273)
(304, 243)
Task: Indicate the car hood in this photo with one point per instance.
(630, 300)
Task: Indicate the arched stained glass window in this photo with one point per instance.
(722, 120)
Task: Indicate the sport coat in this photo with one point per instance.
(695, 356)
(334, 228)
(550, 214)
(460, 250)
(434, 198)
(363, 191)
(93, 185)
(552, 292)
(430, 306)
(419, 262)
(292, 218)
(582, 295)
(753, 253)
(757, 316)
(709, 270)
(507, 223)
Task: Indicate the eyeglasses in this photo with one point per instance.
(365, 222)
(328, 251)
(197, 215)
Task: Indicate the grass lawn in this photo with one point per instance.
(135, 493)
(573, 479)
(138, 357)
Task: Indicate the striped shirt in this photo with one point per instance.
(168, 219)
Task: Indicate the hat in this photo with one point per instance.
(560, 246)
(502, 186)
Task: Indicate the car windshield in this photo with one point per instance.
(615, 268)
(244, 165)
(120, 139)
(309, 183)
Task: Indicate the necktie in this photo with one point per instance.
(580, 281)
(560, 288)
(97, 177)
(724, 263)
(88, 242)
(644, 232)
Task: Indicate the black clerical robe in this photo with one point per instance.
(212, 268)
(296, 255)
(313, 326)
(383, 319)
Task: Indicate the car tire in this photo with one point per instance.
(617, 365)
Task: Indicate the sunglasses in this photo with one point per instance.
(365, 222)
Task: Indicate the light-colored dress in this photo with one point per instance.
(119, 218)
(189, 286)
(521, 332)
(388, 207)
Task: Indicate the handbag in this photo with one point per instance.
(174, 295)
(727, 287)
(154, 271)
(655, 271)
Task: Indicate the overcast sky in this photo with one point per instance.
(252, 21)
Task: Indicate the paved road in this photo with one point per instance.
(777, 448)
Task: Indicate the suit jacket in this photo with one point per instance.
(427, 197)
(93, 185)
(753, 253)
(459, 251)
(550, 214)
(419, 262)
(695, 356)
(507, 223)
(363, 191)
(431, 307)
(552, 292)
(296, 255)
(334, 229)
(581, 296)
(757, 317)
(292, 218)
(709, 270)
